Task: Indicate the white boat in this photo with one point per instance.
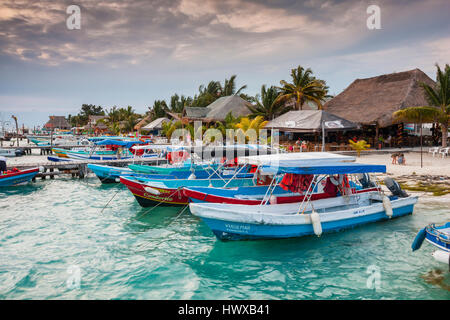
(234, 222)
(9, 152)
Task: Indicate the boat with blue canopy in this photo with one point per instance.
(117, 149)
(308, 217)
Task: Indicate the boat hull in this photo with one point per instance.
(160, 193)
(299, 225)
(167, 197)
(18, 178)
(202, 195)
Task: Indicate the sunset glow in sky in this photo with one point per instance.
(133, 52)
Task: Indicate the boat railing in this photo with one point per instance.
(431, 228)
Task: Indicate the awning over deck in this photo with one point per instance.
(324, 168)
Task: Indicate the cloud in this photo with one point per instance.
(138, 50)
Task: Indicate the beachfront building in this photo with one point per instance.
(154, 127)
(313, 127)
(96, 126)
(218, 110)
(57, 123)
(372, 101)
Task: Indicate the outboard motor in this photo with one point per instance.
(364, 179)
(395, 188)
(3, 164)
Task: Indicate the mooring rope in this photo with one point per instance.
(144, 247)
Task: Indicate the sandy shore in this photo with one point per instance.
(431, 166)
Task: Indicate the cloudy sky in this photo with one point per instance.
(133, 52)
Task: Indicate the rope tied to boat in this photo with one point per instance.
(431, 229)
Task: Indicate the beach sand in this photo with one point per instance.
(431, 166)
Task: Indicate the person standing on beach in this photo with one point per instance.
(394, 158)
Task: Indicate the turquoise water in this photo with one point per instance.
(52, 231)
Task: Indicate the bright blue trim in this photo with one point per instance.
(10, 181)
(126, 144)
(325, 168)
(225, 230)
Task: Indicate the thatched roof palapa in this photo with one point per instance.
(58, 122)
(218, 110)
(142, 123)
(373, 100)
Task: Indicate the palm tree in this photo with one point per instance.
(158, 110)
(207, 95)
(247, 124)
(417, 115)
(169, 127)
(229, 87)
(129, 118)
(303, 89)
(359, 146)
(439, 98)
(267, 104)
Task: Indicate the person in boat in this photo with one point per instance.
(2, 165)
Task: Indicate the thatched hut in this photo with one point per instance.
(218, 110)
(372, 101)
(57, 122)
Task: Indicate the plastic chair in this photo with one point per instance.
(433, 150)
(444, 151)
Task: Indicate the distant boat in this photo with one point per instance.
(10, 152)
(13, 178)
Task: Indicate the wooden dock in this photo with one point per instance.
(78, 168)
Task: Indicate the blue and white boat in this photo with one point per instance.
(236, 221)
(14, 178)
(438, 236)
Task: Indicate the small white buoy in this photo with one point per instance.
(192, 176)
(441, 256)
(273, 199)
(387, 206)
(152, 191)
(41, 169)
(317, 226)
(117, 179)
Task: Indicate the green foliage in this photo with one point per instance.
(267, 103)
(303, 89)
(214, 90)
(159, 109)
(169, 127)
(82, 117)
(439, 98)
(178, 103)
(120, 120)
